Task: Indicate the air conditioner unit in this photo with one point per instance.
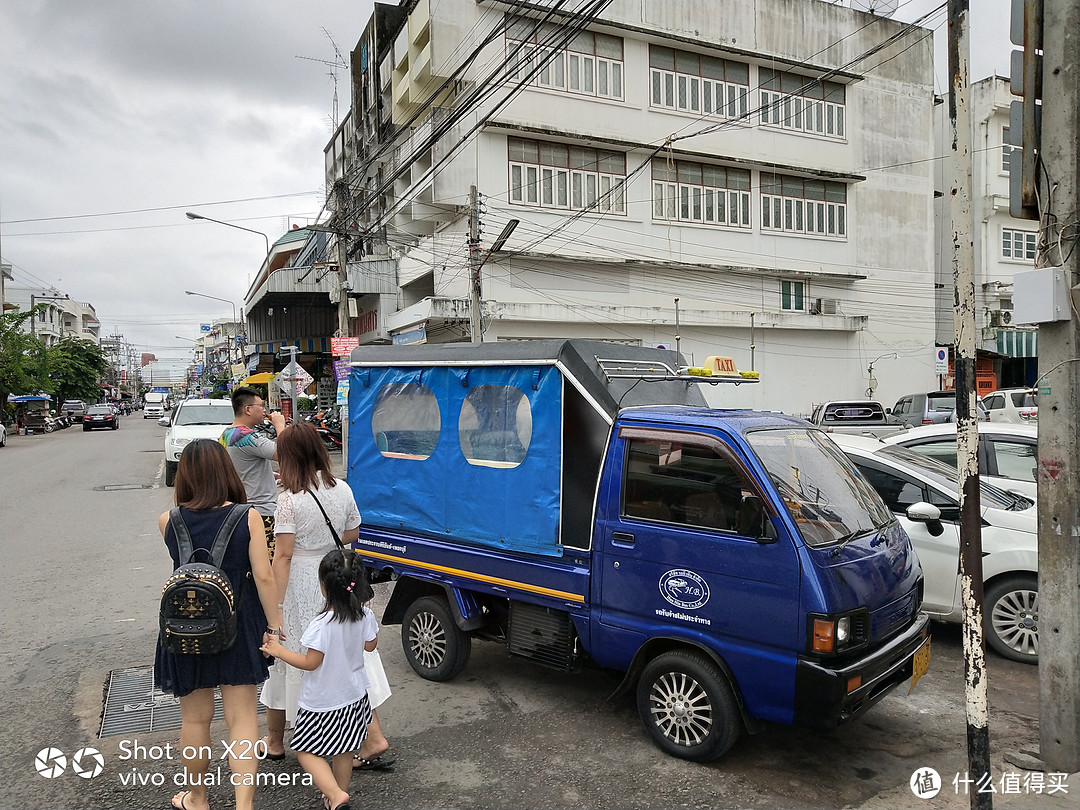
(1001, 317)
(825, 306)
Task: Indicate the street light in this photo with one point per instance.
(227, 301)
(192, 215)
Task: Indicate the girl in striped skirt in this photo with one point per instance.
(333, 712)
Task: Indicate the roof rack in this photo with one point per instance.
(716, 370)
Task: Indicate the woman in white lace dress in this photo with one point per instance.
(302, 538)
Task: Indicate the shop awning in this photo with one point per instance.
(1018, 342)
(260, 379)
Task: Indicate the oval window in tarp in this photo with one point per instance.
(405, 421)
(495, 426)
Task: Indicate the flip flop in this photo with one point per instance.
(379, 763)
(183, 794)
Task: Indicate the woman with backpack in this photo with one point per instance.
(196, 655)
(315, 512)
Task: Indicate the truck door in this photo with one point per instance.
(684, 554)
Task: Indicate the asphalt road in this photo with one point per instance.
(82, 566)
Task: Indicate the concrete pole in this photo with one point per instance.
(1059, 398)
(475, 328)
(343, 274)
(967, 427)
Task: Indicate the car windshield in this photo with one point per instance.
(211, 413)
(944, 401)
(825, 497)
(100, 409)
(945, 476)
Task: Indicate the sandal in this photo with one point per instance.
(379, 763)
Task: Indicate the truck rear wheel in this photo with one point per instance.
(437, 649)
(688, 707)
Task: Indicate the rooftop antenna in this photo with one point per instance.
(338, 63)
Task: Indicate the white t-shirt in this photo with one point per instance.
(340, 679)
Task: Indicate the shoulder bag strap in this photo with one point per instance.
(237, 513)
(326, 517)
(184, 548)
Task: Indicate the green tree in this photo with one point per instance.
(24, 362)
(75, 368)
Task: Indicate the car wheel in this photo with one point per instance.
(688, 707)
(116, 426)
(170, 472)
(1011, 621)
(85, 428)
(436, 648)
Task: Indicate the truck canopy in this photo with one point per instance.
(499, 444)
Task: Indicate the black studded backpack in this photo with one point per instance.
(197, 615)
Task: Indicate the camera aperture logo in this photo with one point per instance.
(52, 763)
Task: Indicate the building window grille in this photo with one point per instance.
(1006, 150)
(792, 296)
(798, 205)
(1018, 245)
(684, 191)
(556, 175)
(802, 104)
(590, 64)
(695, 83)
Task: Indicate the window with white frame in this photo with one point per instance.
(801, 205)
(803, 104)
(792, 295)
(1006, 150)
(696, 83)
(558, 175)
(684, 191)
(589, 64)
(1018, 245)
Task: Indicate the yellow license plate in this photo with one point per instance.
(920, 664)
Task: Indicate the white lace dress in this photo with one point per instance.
(298, 514)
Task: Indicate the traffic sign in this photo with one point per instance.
(941, 361)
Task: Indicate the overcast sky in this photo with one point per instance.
(118, 116)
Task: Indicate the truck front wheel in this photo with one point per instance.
(437, 649)
(688, 707)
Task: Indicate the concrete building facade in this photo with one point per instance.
(768, 163)
(1004, 245)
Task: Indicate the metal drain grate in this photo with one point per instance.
(133, 705)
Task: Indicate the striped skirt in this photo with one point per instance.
(338, 731)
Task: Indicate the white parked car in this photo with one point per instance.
(3, 434)
(192, 419)
(922, 493)
(1008, 454)
(1020, 406)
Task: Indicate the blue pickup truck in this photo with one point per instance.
(578, 503)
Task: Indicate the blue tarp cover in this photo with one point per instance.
(513, 508)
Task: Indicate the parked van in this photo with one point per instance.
(579, 503)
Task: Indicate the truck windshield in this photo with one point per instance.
(825, 496)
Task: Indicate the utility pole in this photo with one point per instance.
(1059, 396)
(475, 328)
(967, 427)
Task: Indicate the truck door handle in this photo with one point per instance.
(622, 539)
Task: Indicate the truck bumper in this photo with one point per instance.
(822, 695)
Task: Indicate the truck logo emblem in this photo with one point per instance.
(684, 589)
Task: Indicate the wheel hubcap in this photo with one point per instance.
(427, 640)
(1015, 619)
(681, 708)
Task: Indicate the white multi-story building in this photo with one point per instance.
(1007, 353)
(766, 163)
(61, 316)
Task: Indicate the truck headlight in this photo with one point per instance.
(837, 633)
